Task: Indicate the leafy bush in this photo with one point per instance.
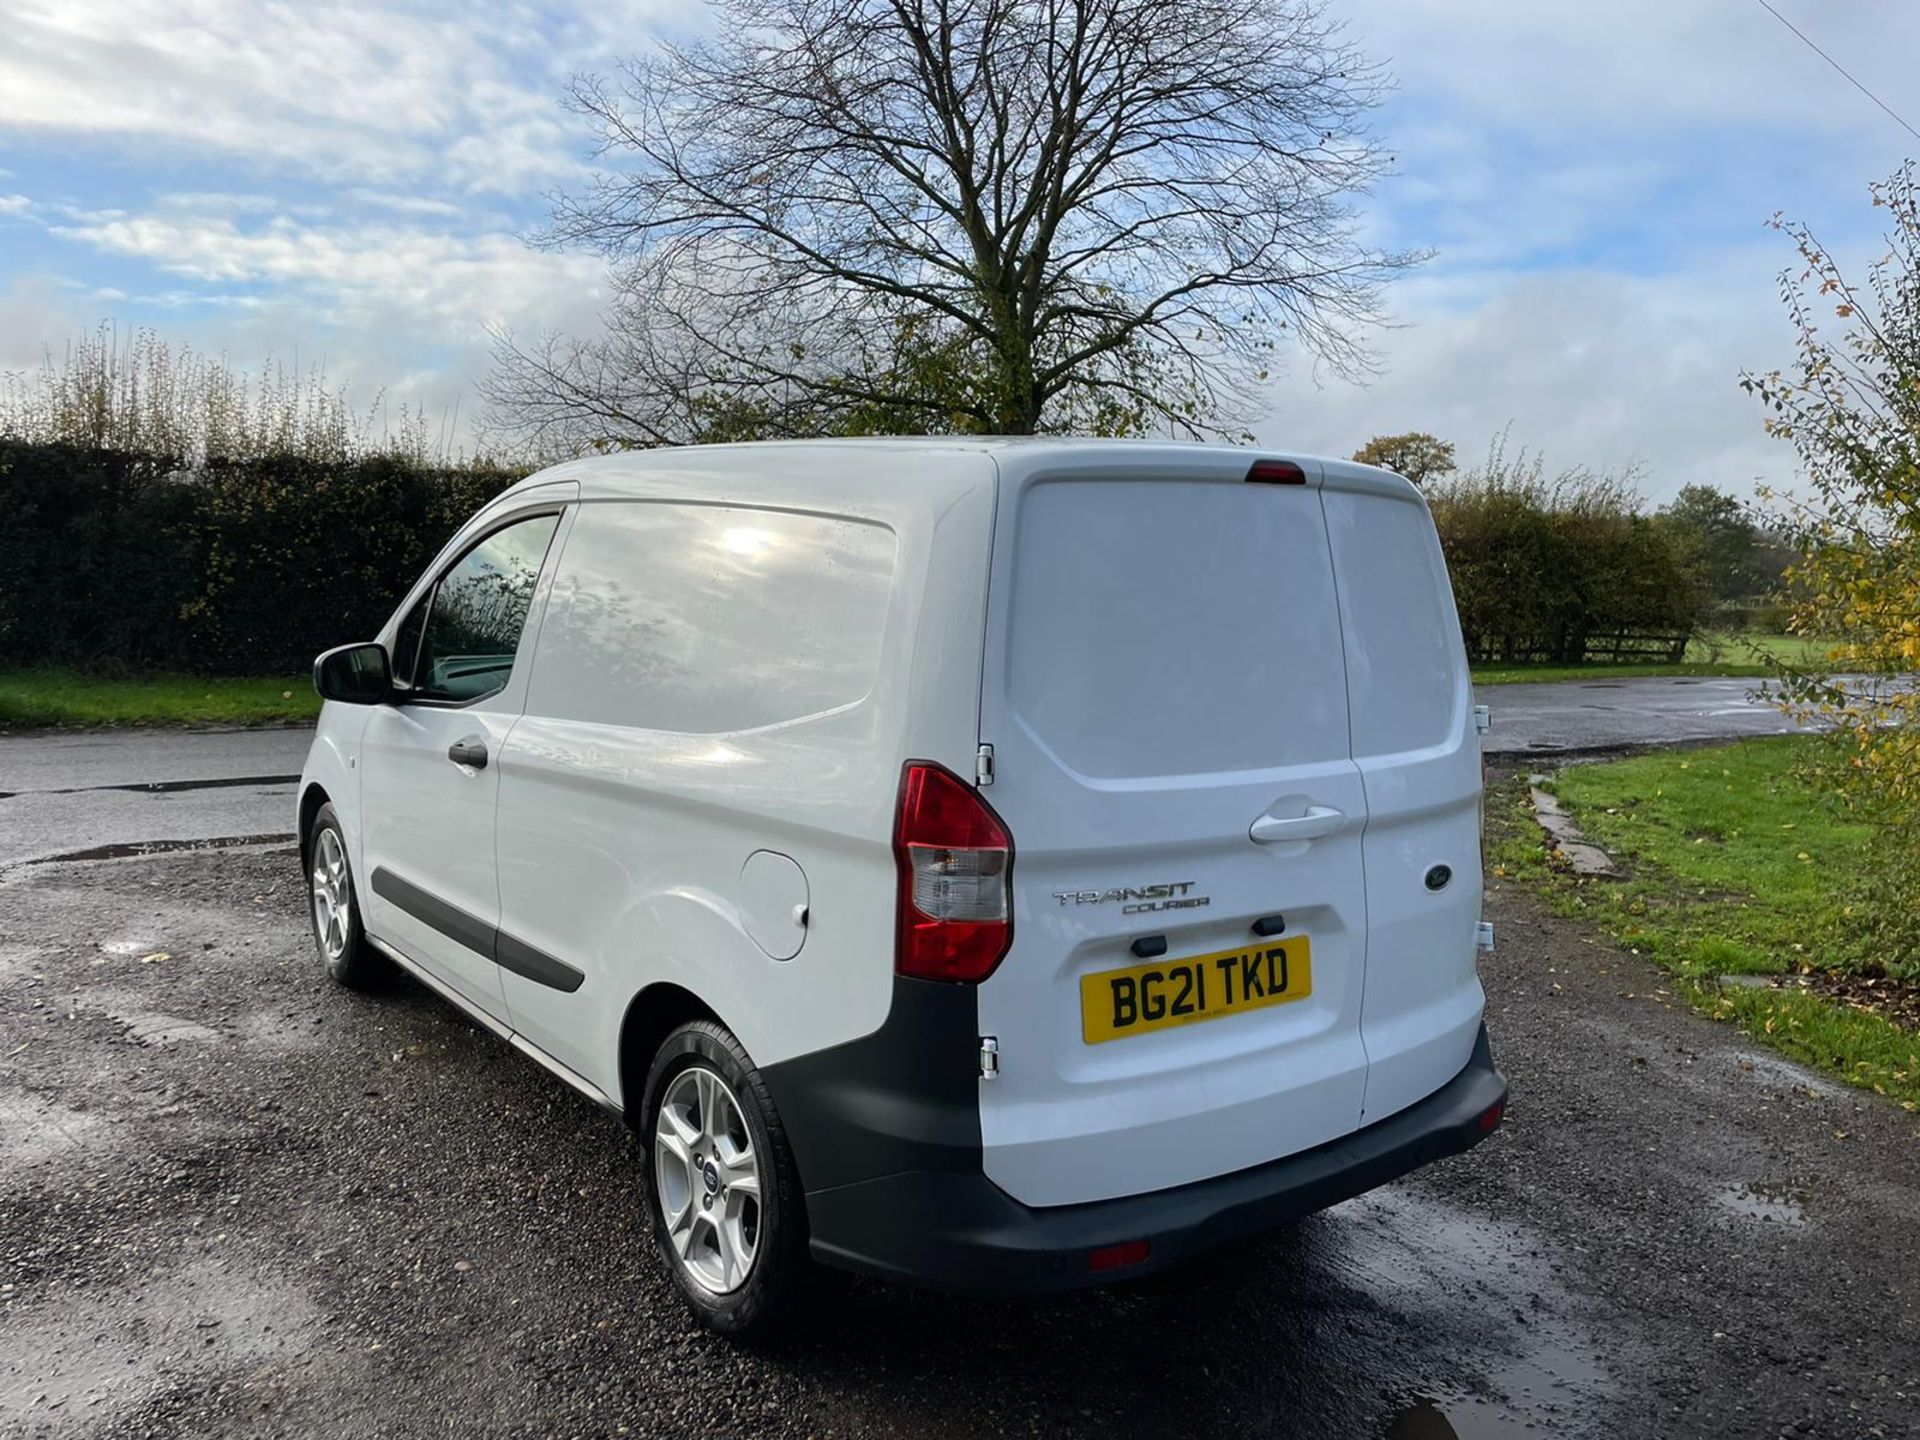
(1556, 569)
(1850, 407)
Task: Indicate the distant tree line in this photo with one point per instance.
(1570, 566)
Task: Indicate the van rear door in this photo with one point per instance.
(1419, 757)
(1165, 681)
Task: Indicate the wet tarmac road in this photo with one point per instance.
(1589, 715)
(67, 792)
(236, 1200)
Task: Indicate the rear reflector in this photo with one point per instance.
(1276, 472)
(1490, 1117)
(955, 861)
(1118, 1257)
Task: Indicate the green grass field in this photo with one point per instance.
(1750, 656)
(53, 697)
(1734, 864)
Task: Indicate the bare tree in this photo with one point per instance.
(1096, 212)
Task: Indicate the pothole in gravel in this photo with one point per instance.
(150, 1027)
(1771, 1204)
(281, 1030)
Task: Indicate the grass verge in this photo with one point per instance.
(1734, 866)
(56, 697)
(1741, 656)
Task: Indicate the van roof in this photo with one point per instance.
(873, 459)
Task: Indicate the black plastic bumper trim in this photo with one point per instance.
(961, 1232)
(474, 933)
(904, 1098)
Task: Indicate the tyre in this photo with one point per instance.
(728, 1217)
(335, 906)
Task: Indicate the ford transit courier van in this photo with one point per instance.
(1001, 865)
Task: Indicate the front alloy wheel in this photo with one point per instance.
(332, 896)
(337, 932)
(708, 1176)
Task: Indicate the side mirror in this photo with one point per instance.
(354, 675)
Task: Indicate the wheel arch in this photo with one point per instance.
(311, 799)
(650, 1017)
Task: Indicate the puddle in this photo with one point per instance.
(1771, 1204)
(130, 849)
(75, 1364)
(1542, 1373)
(173, 787)
(129, 946)
(33, 1130)
(1780, 1072)
(1546, 1383)
(167, 787)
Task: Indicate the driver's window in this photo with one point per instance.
(479, 608)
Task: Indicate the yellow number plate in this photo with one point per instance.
(1164, 993)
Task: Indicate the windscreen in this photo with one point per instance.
(1175, 627)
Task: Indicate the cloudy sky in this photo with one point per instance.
(348, 184)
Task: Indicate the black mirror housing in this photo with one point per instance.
(354, 675)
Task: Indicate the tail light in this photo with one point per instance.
(956, 878)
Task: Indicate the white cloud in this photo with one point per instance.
(457, 284)
(1588, 368)
(455, 96)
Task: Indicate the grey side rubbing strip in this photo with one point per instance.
(474, 933)
(450, 920)
(536, 965)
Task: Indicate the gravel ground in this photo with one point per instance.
(235, 1200)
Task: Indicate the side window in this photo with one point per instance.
(708, 618)
(479, 608)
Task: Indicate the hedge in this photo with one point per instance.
(1539, 578)
(239, 567)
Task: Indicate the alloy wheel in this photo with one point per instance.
(707, 1180)
(332, 895)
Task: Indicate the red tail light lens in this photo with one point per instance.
(955, 859)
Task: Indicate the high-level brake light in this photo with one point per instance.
(1276, 472)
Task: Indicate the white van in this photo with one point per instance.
(1002, 865)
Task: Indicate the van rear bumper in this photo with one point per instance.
(961, 1232)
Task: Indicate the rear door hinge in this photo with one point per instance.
(983, 766)
(1483, 935)
(989, 1057)
(1482, 718)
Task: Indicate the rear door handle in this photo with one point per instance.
(468, 752)
(1318, 822)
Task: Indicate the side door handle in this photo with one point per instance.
(1319, 822)
(468, 752)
